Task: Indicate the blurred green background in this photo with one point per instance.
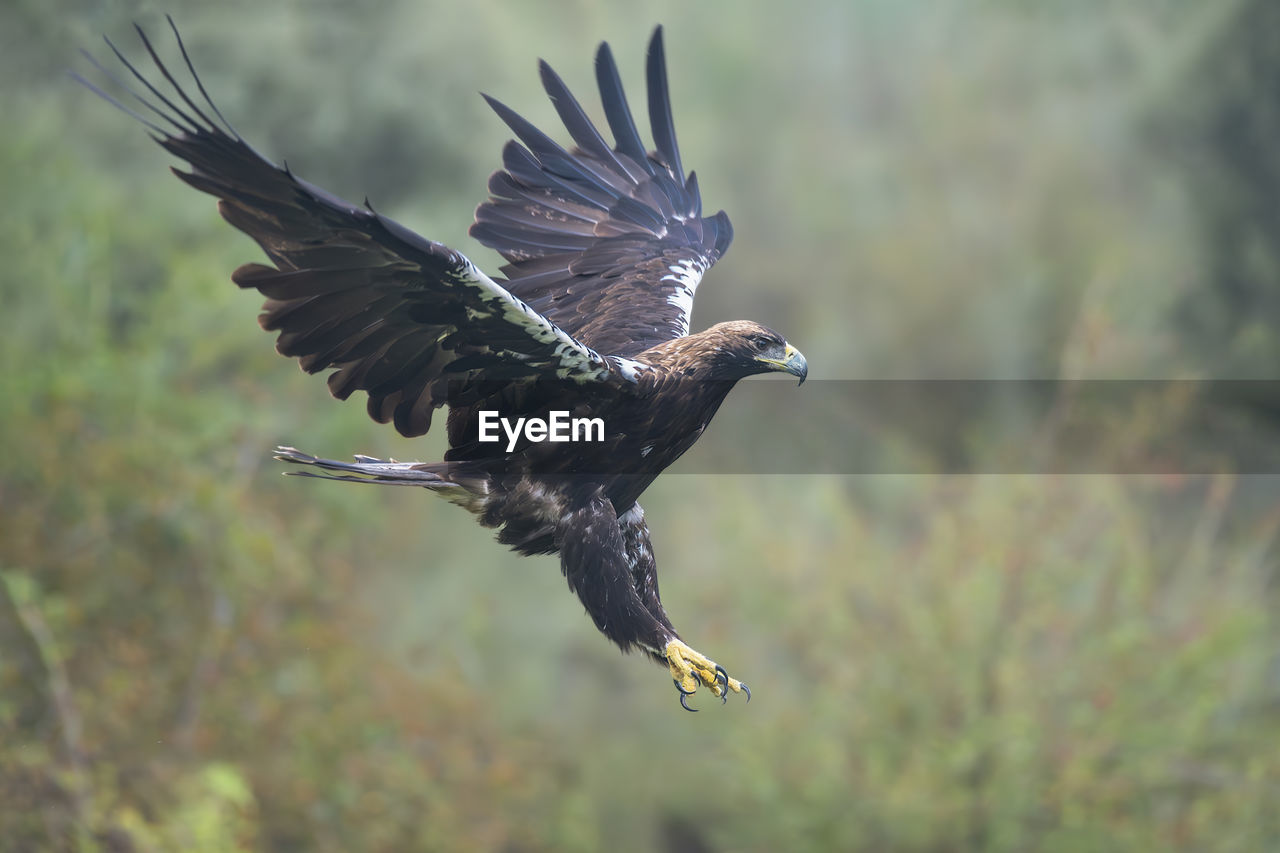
(197, 654)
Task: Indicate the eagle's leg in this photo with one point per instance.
(598, 559)
(593, 556)
(688, 667)
(643, 566)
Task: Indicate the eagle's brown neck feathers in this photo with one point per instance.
(720, 353)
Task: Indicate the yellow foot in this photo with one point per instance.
(690, 668)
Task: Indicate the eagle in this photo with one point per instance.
(605, 245)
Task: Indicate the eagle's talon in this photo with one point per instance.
(690, 668)
(745, 689)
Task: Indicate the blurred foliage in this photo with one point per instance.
(196, 654)
(1222, 130)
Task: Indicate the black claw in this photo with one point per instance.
(746, 690)
(722, 678)
(683, 692)
(684, 696)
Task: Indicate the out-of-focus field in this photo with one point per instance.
(197, 654)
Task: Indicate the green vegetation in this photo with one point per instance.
(197, 654)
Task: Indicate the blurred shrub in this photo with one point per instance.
(1218, 121)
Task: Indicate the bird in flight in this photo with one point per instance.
(589, 325)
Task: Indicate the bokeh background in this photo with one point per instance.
(198, 654)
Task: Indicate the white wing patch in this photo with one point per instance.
(574, 360)
(629, 367)
(685, 275)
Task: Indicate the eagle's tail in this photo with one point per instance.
(451, 482)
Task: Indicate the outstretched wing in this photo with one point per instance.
(609, 243)
(407, 320)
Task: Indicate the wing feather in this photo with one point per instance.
(593, 236)
(660, 120)
(584, 133)
(588, 178)
(626, 137)
(410, 321)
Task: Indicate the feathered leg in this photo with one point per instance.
(594, 560)
(687, 666)
(643, 566)
(609, 564)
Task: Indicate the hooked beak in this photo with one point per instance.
(792, 362)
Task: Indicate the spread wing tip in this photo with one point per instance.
(660, 119)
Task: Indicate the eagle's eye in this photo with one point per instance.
(760, 342)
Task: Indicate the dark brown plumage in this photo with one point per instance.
(605, 247)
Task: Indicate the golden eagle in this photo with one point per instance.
(605, 246)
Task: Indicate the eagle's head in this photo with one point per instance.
(742, 348)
